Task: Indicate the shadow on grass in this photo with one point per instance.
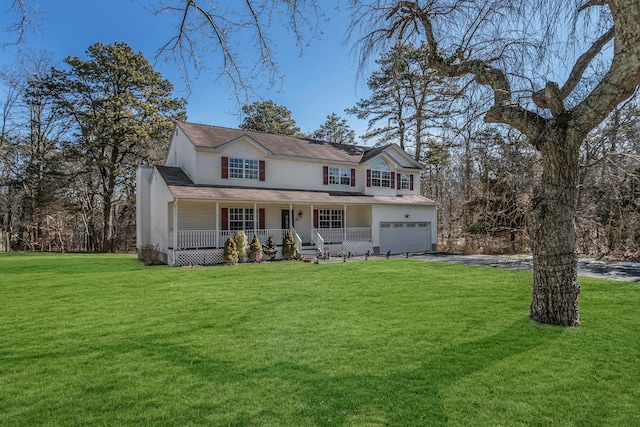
(404, 397)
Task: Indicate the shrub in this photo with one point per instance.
(150, 255)
(230, 252)
(255, 250)
(240, 238)
(270, 249)
(289, 250)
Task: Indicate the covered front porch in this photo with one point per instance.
(198, 229)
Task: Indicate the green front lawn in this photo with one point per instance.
(103, 340)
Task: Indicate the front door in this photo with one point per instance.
(287, 219)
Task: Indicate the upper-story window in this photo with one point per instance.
(380, 173)
(341, 176)
(243, 168)
(405, 181)
(235, 167)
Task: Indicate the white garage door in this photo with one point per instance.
(399, 237)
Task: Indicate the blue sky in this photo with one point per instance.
(320, 82)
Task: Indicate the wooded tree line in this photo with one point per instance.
(71, 139)
(486, 180)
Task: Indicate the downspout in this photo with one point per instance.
(175, 228)
(256, 215)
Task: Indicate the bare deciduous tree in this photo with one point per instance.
(232, 31)
(499, 45)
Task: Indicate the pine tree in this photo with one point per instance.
(270, 249)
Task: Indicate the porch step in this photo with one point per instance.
(309, 251)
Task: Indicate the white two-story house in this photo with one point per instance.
(340, 198)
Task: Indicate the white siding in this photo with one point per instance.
(160, 199)
(358, 216)
(272, 218)
(400, 159)
(286, 173)
(143, 206)
(182, 153)
(196, 215)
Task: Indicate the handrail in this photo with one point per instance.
(317, 240)
(298, 241)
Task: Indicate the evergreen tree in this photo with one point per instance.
(335, 130)
(230, 252)
(270, 249)
(268, 117)
(240, 238)
(407, 100)
(255, 250)
(289, 250)
(123, 112)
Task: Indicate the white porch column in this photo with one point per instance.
(290, 216)
(216, 239)
(344, 229)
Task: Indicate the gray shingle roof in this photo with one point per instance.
(215, 136)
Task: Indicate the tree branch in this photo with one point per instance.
(623, 77)
(407, 13)
(592, 3)
(583, 62)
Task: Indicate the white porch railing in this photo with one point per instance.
(338, 235)
(196, 239)
(277, 235)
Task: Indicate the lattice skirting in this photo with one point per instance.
(356, 248)
(214, 256)
(184, 257)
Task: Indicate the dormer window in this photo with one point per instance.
(341, 176)
(332, 175)
(243, 168)
(235, 167)
(380, 174)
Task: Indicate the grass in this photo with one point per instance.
(103, 340)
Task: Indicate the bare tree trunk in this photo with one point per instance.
(553, 235)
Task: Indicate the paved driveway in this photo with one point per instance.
(625, 271)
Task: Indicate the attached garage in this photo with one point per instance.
(400, 237)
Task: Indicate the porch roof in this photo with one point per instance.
(181, 186)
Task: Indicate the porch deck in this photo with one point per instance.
(205, 246)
